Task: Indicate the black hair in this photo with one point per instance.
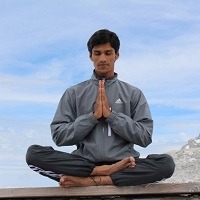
(102, 37)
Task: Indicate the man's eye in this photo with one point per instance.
(108, 53)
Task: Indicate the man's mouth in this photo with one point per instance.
(102, 64)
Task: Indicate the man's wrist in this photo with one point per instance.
(96, 116)
(108, 114)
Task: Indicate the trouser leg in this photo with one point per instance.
(151, 169)
(54, 164)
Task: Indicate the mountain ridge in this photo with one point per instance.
(187, 161)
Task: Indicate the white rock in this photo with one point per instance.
(187, 161)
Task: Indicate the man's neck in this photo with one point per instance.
(104, 76)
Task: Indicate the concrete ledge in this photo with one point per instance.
(155, 189)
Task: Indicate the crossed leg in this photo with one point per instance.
(99, 176)
(53, 164)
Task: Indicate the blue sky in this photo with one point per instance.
(43, 51)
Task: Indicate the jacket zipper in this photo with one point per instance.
(103, 127)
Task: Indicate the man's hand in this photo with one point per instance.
(101, 108)
(98, 111)
(105, 104)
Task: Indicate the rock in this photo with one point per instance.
(187, 161)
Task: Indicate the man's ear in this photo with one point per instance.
(90, 56)
(116, 55)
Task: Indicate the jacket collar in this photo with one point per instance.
(109, 81)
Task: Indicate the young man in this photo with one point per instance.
(104, 117)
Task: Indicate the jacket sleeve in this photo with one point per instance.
(66, 127)
(136, 128)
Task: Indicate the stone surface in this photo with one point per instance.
(187, 161)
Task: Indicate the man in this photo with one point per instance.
(104, 117)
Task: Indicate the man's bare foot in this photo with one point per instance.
(99, 176)
(73, 181)
(107, 170)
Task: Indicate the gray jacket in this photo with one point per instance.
(108, 139)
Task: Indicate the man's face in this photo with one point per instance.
(103, 57)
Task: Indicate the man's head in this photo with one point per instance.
(102, 37)
(104, 51)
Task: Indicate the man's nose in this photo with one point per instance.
(102, 58)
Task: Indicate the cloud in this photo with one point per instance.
(38, 26)
(169, 74)
(164, 143)
(42, 82)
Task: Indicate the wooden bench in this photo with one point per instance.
(155, 191)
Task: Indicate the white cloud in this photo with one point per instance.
(164, 143)
(169, 74)
(44, 82)
(39, 25)
(190, 103)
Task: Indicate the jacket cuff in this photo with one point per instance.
(112, 118)
(92, 119)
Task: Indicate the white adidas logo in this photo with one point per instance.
(118, 101)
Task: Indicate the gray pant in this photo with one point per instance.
(54, 164)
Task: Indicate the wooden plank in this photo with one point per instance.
(144, 190)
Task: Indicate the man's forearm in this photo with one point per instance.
(135, 132)
(72, 133)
